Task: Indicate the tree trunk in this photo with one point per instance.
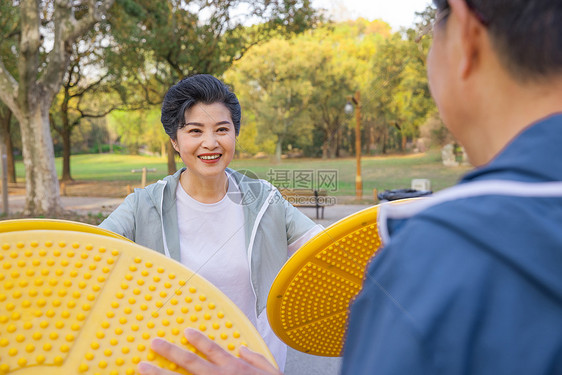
(41, 183)
(171, 158)
(384, 141)
(31, 96)
(329, 148)
(372, 144)
(65, 134)
(6, 135)
(333, 147)
(12, 178)
(278, 150)
(338, 142)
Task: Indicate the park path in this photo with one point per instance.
(82, 205)
(104, 205)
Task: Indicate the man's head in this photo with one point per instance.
(526, 34)
(494, 68)
(200, 88)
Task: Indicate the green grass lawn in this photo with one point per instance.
(386, 172)
(381, 173)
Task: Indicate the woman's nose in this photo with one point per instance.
(209, 140)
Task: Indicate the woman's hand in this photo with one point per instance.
(218, 361)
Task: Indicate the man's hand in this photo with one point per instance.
(218, 360)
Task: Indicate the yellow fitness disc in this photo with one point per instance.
(81, 303)
(34, 224)
(308, 303)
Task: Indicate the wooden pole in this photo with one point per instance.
(143, 172)
(358, 179)
(143, 179)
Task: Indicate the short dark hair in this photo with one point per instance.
(199, 88)
(527, 34)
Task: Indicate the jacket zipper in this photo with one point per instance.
(251, 243)
(166, 250)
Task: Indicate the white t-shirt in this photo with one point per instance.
(213, 245)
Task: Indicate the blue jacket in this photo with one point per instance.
(470, 281)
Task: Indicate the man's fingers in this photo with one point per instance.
(257, 360)
(212, 350)
(218, 361)
(251, 362)
(183, 358)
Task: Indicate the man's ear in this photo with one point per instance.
(470, 33)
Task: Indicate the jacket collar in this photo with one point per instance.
(163, 196)
(253, 196)
(392, 215)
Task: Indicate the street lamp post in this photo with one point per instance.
(356, 99)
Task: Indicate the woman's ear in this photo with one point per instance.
(174, 144)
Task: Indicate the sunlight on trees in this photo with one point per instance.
(296, 89)
(105, 69)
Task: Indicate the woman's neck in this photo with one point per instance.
(204, 190)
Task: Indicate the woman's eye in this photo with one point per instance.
(195, 130)
(223, 130)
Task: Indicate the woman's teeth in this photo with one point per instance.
(210, 157)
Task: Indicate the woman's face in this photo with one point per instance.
(207, 141)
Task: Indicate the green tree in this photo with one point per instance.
(40, 70)
(164, 41)
(138, 128)
(271, 82)
(386, 68)
(249, 142)
(129, 127)
(9, 29)
(399, 100)
(153, 136)
(297, 89)
(348, 48)
(93, 87)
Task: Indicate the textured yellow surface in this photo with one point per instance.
(34, 224)
(309, 300)
(82, 303)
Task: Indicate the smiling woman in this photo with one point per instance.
(235, 231)
(206, 143)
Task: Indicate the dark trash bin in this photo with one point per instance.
(392, 195)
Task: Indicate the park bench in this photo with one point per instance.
(308, 198)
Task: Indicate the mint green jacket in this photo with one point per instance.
(273, 226)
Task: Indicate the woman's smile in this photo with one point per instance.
(209, 158)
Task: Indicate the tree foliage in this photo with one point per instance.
(272, 80)
(41, 43)
(93, 86)
(64, 63)
(164, 41)
(296, 89)
(139, 129)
